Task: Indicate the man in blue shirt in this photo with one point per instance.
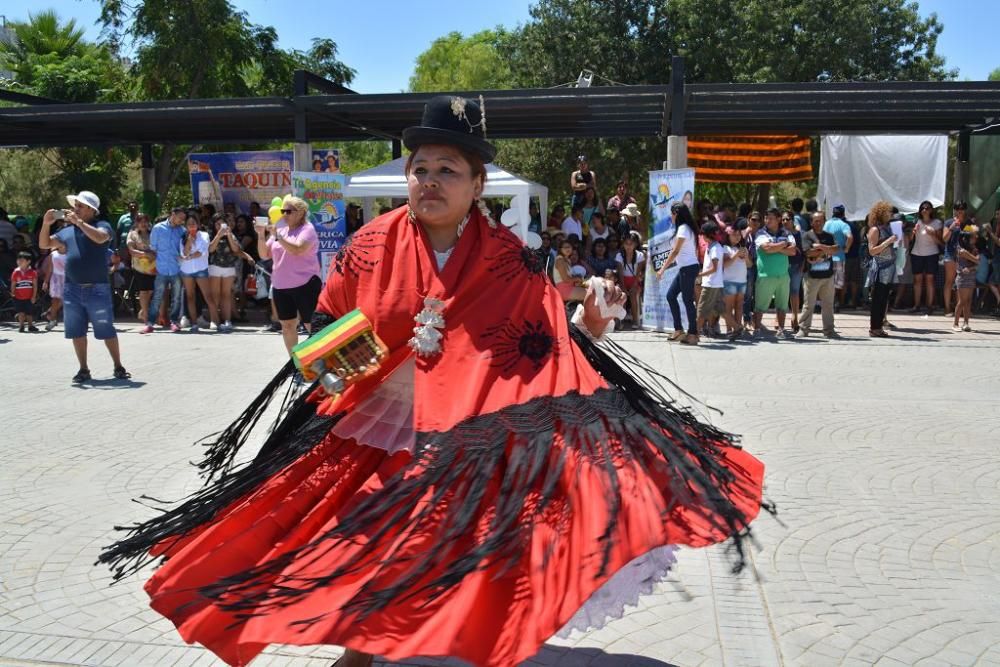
(165, 243)
(87, 293)
(842, 234)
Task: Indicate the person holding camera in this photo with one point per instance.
(224, 252)
(87, 292)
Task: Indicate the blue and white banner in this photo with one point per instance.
(665, 188)
(250, 176)
(324, 192)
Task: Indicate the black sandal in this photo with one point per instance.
(120, 373)
(82, 375)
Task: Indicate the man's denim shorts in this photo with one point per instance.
(88, 304)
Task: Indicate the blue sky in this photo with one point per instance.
(381, 39)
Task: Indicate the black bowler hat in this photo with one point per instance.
(451, 120)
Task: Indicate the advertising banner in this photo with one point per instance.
(250, 176)
(324, 192)
(665, 188)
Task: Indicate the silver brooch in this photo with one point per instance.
(426, 339)
(458, 108)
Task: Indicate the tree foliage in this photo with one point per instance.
(454, 63)
(51, 58)
(206, 49)
(994, 75)
(632, 41)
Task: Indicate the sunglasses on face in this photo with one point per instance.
(286, 211)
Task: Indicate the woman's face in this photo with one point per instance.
(574, 257)
(566, 249)
(441, 186)
(629, 243)
(546, 241)
(688, 200)
(293, 216)
(734, 237)
(192, 226)
(142, 224)
(241, 225)
(589, 195)
(600, 250)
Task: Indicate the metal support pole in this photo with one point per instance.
(150, 200)
(677, 141)
(302, 150)
(960, 188)
(397, 149)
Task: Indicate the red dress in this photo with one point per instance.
(540, 467)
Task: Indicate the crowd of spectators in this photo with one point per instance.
(735, 264)
(198, 269)
(194, 270)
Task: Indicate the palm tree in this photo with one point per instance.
(43, 34)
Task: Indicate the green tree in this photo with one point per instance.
(206, 49)
(51, 59)
(455, 63)
(43, 34)
(994, 75)
(742, 41)
(806, 40)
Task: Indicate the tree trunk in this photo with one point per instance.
(762, 198)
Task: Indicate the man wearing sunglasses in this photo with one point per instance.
(165, 243)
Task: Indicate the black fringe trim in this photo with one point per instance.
(513, 448)
(223, 446)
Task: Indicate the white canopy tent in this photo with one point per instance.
(388, 180)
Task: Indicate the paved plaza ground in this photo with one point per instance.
(882, 458)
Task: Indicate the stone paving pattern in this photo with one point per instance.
(881, 455)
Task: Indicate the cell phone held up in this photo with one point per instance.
(59, 214)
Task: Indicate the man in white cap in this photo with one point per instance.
(87, 294)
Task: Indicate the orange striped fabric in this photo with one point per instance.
(757, 158)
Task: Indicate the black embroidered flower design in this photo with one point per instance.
(535, 343)
(359, 253)
(510, 342)
(514, 257)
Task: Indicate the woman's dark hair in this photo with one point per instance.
(966, 240)
(682, 216)
(217, 217)
(744, 210)
(599, 242)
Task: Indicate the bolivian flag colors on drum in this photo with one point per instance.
(758, 158)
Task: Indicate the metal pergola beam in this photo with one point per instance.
(602, 111)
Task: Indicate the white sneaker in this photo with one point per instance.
(185, 322)
(227, 326)
(50, 325)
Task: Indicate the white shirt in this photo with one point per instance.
(735, 271)
(688, 254)
(571, 226)
(594, 235)
(924, 244)
(630, 269)
(717, 254)
(199, 263)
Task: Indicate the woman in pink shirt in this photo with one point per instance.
(293, 243)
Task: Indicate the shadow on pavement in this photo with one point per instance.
(551, 656)
(108, 383)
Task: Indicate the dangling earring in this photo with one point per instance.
(481, 205)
